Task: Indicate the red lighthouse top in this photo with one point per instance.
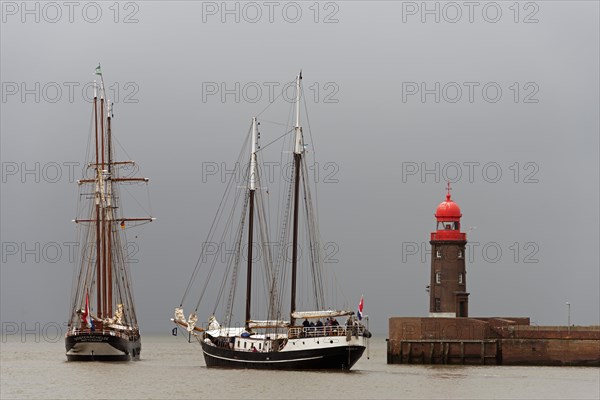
(448, 220)
(448, 210)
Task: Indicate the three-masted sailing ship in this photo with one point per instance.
(103, 325)
(304, 338)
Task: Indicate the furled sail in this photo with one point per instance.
(213, 324)
(269, 324)
(226, 332)
(189, 324)
(321, 314)
(179, 316)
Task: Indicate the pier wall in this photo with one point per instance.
(490, 341)
(551, 352)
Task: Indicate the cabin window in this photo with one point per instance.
(245, 344)
(460, 278)
(438, 304)
(438, 277)
(239, 343)
(438, 253)
(260, 346)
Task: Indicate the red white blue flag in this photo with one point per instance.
(361, 304)
(86, 317)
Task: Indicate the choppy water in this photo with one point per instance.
(172, 368)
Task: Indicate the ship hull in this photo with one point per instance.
(341, 357)
(102, 347)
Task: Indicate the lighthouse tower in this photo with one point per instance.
(448, 295)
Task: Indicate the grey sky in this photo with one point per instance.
(361, 69)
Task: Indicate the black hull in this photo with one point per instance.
(102, 347)
(334, 358)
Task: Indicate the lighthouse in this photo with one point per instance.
(449, 336)
(448, 295)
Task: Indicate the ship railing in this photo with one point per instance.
(330, 330)
(88, 331)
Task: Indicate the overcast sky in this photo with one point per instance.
(501, 99)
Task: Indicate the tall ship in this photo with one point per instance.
(284, 314)
(102, 323)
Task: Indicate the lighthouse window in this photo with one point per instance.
(460, 278)
(460, 254)
(447, 225)
(438, 304)
(438, 277)
(438, 253)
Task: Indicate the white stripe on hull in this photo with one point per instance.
(265, 361)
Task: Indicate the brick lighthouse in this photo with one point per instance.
(448, 295)
(442, 338)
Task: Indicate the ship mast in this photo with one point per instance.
(97, 199)
(298, 150)
(252, 189)
(104, 219)
(109, 211)
(103, 203)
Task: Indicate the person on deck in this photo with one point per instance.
(306, 328)
(311, 329)
(319, 327)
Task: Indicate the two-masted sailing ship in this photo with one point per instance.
(103, 325)
(281, 274)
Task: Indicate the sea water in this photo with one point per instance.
(172, 368)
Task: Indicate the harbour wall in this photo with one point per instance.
(490, 341)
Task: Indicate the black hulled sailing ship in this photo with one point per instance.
(103, 325)
(283, 339)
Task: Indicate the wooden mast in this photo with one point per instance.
(252, 189)
(109, 222)
(103, 202)
(298, 150)
(98, 177)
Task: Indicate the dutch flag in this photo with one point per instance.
(361, 304)
(87, 318)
